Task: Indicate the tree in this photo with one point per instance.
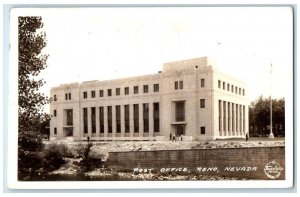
(259, 117)
(31, 62)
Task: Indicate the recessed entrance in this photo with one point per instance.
(178, 123)
(179, 129)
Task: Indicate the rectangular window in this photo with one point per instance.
(176, 85)
(228, 87)
(156, 117)
(101, 93)
(69, 120)
(117, 91)
(231, 88)
(145, 88)
(109, 119)
(155, 87)
(202, 103)
(55, 130)
(146, 117)
(239, 91)
(101, 119)
(136, 117)
(126, 117)
(223, 85)
(66, 96)
(93, 119)
(202, 83)
(109, 92)
(180, 84)
(202, 129)
(69, 96)
(126, 90)
(236, 90)
(54, 112)
(93, 94)
(179, 111)
(54, 97)
(136, 89)
(118, 118)
(84, 95)
(219, 83)
(243, 92)
(85, 122)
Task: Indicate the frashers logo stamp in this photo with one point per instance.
(273, 170)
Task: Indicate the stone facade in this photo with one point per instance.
(189, 99)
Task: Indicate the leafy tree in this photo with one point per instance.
(259, 117)
(31, 62)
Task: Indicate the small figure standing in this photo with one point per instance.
(170, 136)
(173, 138)
(181, 137)
(247, 137)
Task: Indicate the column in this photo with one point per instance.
(131, 120)
(151, 121)
(225, 118)
(97, 122)
(221, 117)
(229, 118)
(244, 118)
(105, 122)
(114, 122)
(122, 111)
(233, 119)
(237, 120)
(141, 120)
(81, 125)
(241, 122)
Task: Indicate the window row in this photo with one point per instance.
(67, 97)
(231, 88)
(179, 84)
(109, 92)
(131, 123)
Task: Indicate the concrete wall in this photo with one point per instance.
(227, 162)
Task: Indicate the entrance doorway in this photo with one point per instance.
(179, 129)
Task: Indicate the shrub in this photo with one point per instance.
(53, 156)
(91, 159)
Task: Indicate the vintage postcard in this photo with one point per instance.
(151, 97)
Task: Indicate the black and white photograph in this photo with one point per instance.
(158, 96)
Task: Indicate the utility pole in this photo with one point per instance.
(271, 126)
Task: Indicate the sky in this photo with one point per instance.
(108, 43)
